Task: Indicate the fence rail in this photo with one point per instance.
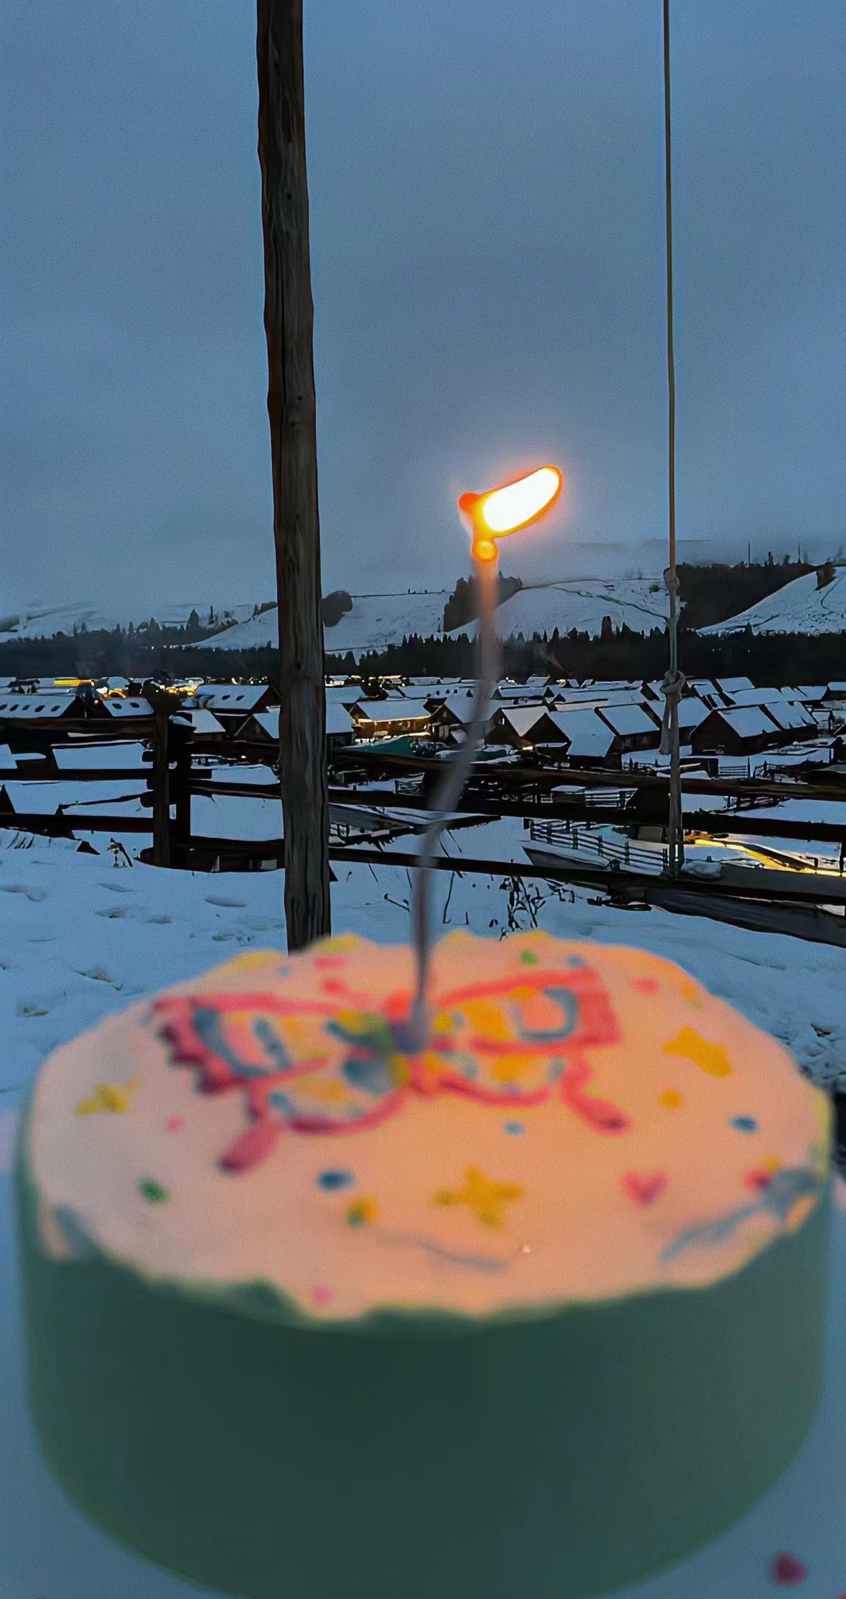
(569, 835)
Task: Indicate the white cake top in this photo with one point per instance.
(588, 1122)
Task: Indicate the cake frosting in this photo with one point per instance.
(536, 1310)
(582, 1126)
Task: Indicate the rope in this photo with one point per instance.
(673, 684)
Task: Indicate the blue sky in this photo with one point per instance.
(487, 209)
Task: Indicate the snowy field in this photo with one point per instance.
(80, 938)
(798, 607)
(638, 603)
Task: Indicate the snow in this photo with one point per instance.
(798, 607)
(79, 939)
(123, 710)
(628, 720)
(7, 759)
(520, 718)
(43, 621)
(202, 721)
(391, 710)
(374, 621)
(85, 757)
(27, 707)
(582, 604)
(588, 735)
(230, 697)
(748, 721)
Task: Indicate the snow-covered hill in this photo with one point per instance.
(638, 603)
(374, 621)
(43, 621)
(798, 607)
(380, 619)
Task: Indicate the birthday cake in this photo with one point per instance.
(532, 1311)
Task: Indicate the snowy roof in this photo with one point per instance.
(343, 693)
(202, 721)
(757, 696)
(521, 718)
(627, 720)
(392, 710)
(733, 685)
(748, 721)
(230, 697)
(787, 716)
(809, 692)
(124, 710)
(586, 733)
(29, 707)
(339, 723)
(7, 759)
(459, 705)
(692, 711)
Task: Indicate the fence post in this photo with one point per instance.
(161, 789)
(181, 738)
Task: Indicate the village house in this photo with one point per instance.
(743, 730)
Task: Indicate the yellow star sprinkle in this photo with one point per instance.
(486, 1197)
(671, 1098)
(712, 1058)
(362, 1211)
(108, 1097)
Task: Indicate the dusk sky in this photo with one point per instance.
(486, 183)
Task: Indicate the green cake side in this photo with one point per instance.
(551, 1458)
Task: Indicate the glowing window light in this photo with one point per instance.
(510, 507)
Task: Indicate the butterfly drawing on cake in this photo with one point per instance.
(315, 1065)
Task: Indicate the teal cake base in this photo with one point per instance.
(552, 1458)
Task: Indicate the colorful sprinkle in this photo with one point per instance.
(757, 1180)
(644, 1187)
(788, 1571)
(109, 1097)
(362, 1211)
(672, 1099)
(148, 1189)
(485, 1196)
(645, 985)
(321, 1295)
(711, 1058)
(744, 1124)
(175, 1124)
(335, 1179)
(515, 1128)
(529, 958)
(329, 963)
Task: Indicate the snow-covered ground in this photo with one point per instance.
(798, 607)
(638, 603)
(42, 621)
(80, 938)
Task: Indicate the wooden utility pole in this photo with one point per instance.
(288, 322)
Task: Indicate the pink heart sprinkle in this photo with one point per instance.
(646, 985)
(321, 1295)
(175, 1124)
(644, 1187)
(788, 1570)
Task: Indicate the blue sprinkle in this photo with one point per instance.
(745, 1124)
(335, 1179)
(575, 960)
(515, 1128)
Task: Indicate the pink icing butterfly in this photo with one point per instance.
(315, 1066)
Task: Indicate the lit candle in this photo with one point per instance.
(493, 515)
